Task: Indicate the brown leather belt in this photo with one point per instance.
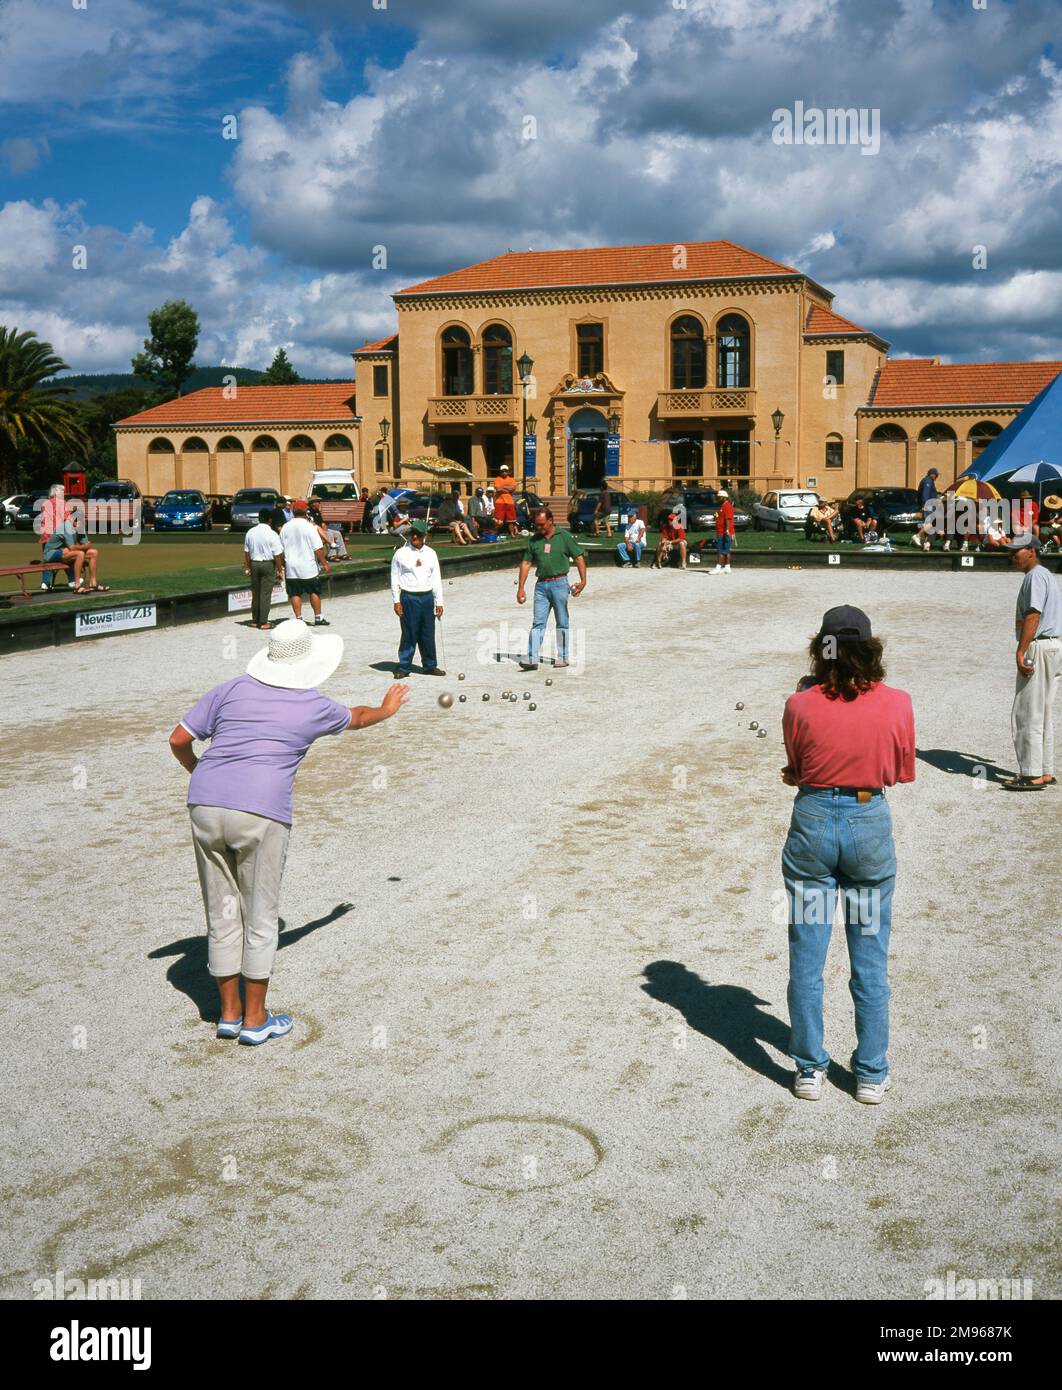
(862, 794)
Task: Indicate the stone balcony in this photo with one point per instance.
(732, 402)
(473, 410)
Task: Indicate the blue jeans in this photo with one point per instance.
(52, 552)
(839, 847)
(418, 630)
(625, 555)
(549, 594)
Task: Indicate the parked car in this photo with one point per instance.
(897, 507)
(581, 509)
(115, 490)
(183, 509)
(248, 502)
(9, 507)
(28, 511)
(784, 510)
(220, 508)
(700, 504)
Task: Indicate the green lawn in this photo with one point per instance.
(176, 563)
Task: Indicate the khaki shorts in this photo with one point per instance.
(240, 858)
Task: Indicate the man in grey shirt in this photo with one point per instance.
(1038, 629)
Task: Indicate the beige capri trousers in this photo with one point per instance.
(240, 858)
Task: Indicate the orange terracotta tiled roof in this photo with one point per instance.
(924, 381)
(381, 345)
(603, 265)
(825, 321)
(326, 401)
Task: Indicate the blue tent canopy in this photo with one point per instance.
(1034, 436)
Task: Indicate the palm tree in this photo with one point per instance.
(32, 412)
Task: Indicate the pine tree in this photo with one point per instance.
(280, 372)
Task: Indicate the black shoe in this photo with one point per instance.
(401, 675)
(434, 671)
(321, 622)
(528, 665)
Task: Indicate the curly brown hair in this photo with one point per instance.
(850, 670)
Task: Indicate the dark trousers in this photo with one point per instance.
(418, 630)
(263, 577)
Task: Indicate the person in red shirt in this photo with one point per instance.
(848, 736)
(724, 532)
(671, 535)
(1028, 522)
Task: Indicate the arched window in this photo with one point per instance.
(982, 435)
(300, 441)
(265, 443)
(195, 445)
(160, 446)
(456, 362)
(229, 445)
(497, 361)
(688, 357)
(732, 352)
(834, 451)
(937, 433)
(888, 434)
(338, 441)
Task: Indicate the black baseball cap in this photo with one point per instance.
(846, 624)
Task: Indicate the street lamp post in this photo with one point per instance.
(524, 365)
(777, 420)
(385, 425)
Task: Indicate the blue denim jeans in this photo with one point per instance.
(550, 594)
(625, 554)
(839, 848)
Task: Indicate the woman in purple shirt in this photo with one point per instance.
(260, 726)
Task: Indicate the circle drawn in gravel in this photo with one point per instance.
(520, 1153)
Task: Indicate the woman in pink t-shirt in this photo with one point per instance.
(848, 736)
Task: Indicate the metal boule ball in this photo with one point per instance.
(532, 705)
(446, 699)
(762, 733)
(462, 698)
(460, 675)
(753, 724)
(527, 694)
(739, 704)
(486, 695)
(549, 680)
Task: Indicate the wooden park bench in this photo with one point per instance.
(35, 567)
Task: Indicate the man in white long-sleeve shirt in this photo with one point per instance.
(416, 589)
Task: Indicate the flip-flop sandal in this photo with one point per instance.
(275, 1026)
(229, 1027)
(1022, 784)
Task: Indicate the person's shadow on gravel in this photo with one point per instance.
(189, 974)
(728, 1014)
(948, 760)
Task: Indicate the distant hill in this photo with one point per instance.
(88, 384)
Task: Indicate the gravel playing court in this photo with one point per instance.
(537, 965)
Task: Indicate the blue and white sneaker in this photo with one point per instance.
(275, 1026)
(808, 1083)
(229, 1027)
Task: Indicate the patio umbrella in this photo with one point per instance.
(438, 468)
(973, 487)
(1037, 474)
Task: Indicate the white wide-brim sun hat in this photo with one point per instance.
(297, 658)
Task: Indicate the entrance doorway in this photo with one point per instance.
(588, 432)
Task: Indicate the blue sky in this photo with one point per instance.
(405, 124)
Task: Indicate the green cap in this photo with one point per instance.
(421, 527)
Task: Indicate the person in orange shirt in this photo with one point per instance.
(504, 499)
(671, 535)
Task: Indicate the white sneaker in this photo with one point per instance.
(965, 545)
(947, 545)
(872, 1092)
(718, 570)
(47, 588)
(808, 1083)
(916, 541)
(726, 569)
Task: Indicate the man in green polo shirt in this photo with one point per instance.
(551, 552)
